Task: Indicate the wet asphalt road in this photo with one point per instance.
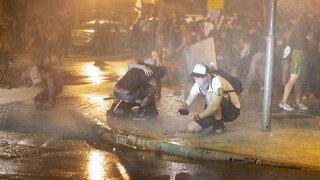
(51, 144)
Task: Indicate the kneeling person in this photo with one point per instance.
(52, 88)
(136, 87)
(214, 88)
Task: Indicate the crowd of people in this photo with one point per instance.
(240, 45)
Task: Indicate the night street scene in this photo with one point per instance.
(160, 89)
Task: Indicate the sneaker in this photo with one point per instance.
(219, 130)
(219, 127)
(302, 107)
(138, 114)
(285, 107)
(141, 117)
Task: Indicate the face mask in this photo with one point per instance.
(203, 85)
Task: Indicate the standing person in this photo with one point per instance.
(185, 38)
(299, 44)
(38, 45)
(181, 62)
(173, 37)
(312, 77)
(147, 30)
(97, 39)
(53, 34)
(6, 56)
(285, 63)
(214, 88)
(136, 36)
(256, 71)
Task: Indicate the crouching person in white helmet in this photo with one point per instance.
(222, 103)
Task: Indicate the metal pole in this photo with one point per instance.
(266, 125)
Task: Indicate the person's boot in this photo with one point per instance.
(219, 127)
(138, 114)
(110, 112)
(151, 111)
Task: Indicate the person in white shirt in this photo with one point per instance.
(214, 88)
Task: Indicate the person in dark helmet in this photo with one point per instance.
(53, 86)
(214, 88)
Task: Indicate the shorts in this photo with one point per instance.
(206, 122)
(297, 62)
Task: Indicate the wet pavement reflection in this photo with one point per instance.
(104, 166)
(93, 73)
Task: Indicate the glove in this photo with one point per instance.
(195, 117)
(153, 82)
(184, 111)
(147, 71)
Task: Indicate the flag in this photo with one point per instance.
(138, 7)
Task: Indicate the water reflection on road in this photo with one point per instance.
(104, 166)
(93, 73)
(96, 165)
(90, 83)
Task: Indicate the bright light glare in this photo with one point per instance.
(96, 166)
(103, 166)
(122, 71)
(94, 98)
(93, 72)
(123, 171)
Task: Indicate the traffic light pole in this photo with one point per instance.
(266, 124)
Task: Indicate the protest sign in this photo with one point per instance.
(201, 52)
(35, 75)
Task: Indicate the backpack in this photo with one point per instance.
(229, 111)
(235, 82)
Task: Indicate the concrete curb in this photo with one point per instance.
(133, 141)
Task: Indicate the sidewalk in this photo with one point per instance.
(292, 143)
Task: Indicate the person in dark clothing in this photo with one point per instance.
(38, 45)
(6, 57)
(98, 39)
(137, 87)
(256, 69)
(52, 87)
